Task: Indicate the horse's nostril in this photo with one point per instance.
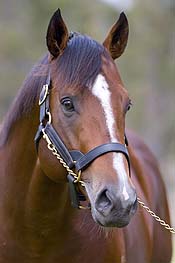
(109, 203)
(103, 203)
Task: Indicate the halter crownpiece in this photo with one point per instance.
(73, 159)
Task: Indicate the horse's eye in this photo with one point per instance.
(67, 104)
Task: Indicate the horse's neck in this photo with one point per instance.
(18, 159)
(47, 212)
(18, 152)
(37, 207)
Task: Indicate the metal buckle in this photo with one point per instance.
(46, 92)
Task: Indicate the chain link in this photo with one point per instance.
(52, 148)
(157, 218)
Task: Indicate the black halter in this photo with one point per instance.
(74, 159)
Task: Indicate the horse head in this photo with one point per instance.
(88, 104)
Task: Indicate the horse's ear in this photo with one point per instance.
(117, 37)
(57, 34)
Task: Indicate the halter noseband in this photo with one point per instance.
(72, 159)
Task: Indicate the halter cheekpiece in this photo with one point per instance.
(73, 159)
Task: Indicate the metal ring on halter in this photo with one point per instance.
(78, 177)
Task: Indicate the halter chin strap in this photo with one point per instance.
(73, 159)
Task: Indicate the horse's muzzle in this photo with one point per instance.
(111, 210)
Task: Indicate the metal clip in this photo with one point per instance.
(77, 180)
(46, 92)
(49, 115)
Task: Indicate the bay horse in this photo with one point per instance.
(83, 103)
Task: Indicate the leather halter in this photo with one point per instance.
(74, 158)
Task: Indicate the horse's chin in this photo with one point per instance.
(112, 220)
(111, 223)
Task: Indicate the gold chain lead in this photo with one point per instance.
(157, 218)
(52, 148)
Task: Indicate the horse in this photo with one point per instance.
(72, 195)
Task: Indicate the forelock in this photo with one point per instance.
(80, 62)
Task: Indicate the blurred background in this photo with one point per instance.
(147, 67)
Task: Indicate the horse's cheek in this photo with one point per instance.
(50, 164)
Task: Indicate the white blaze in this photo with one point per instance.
(101, 90)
